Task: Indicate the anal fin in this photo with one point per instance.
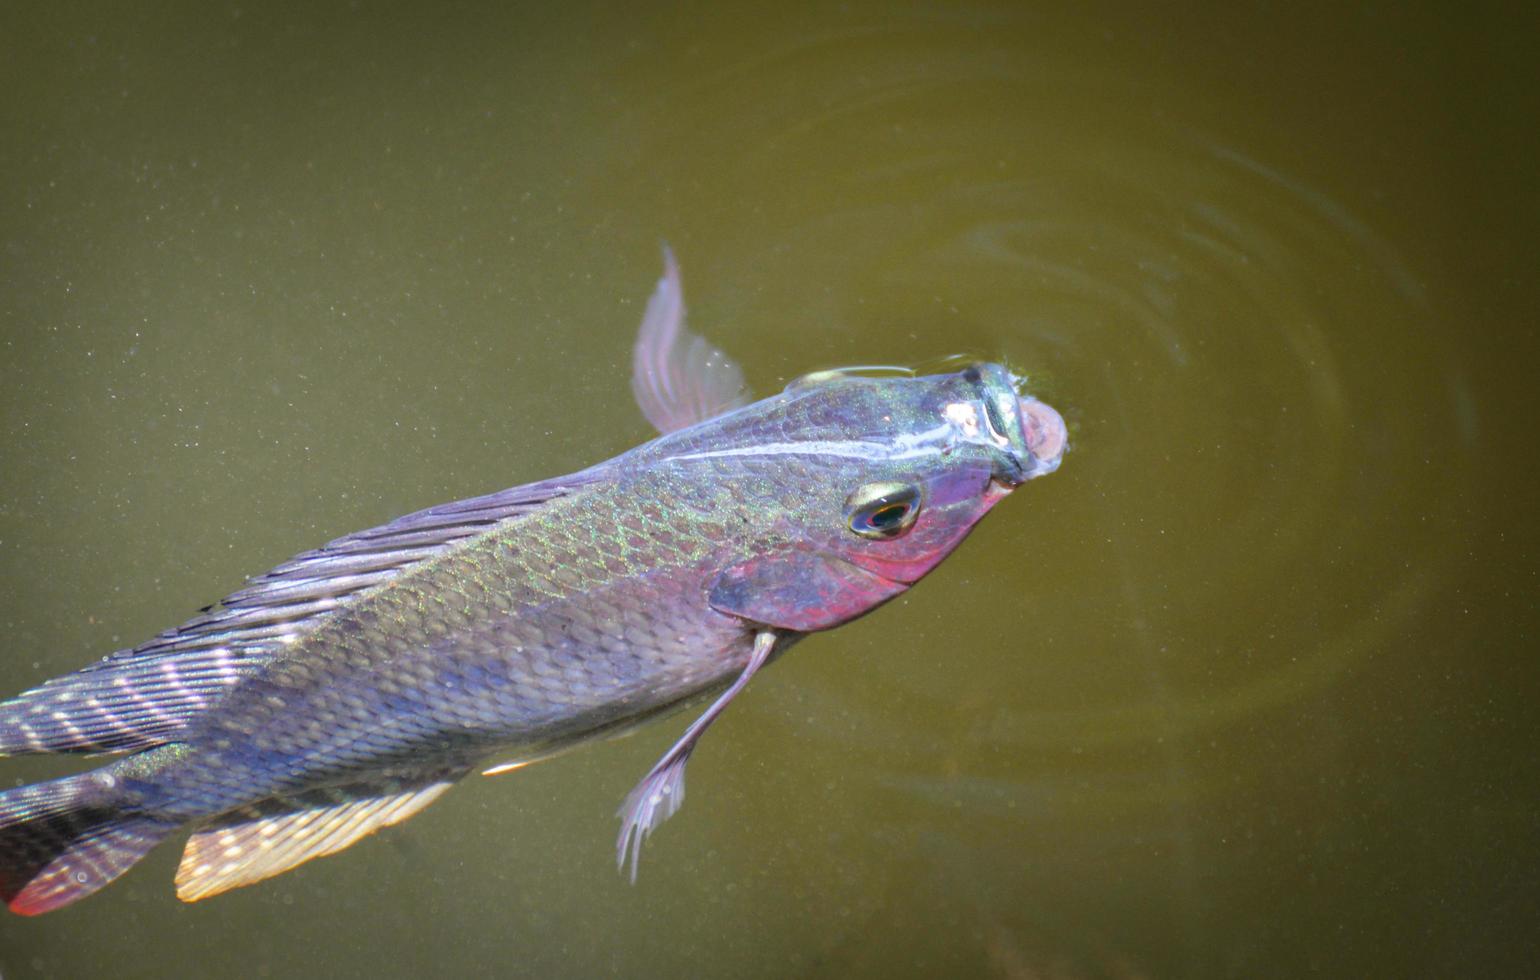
(275, 835)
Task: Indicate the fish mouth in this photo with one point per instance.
(1045, 435)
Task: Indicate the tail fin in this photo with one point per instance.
(62, 840)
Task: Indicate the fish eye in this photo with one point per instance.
(883, 510)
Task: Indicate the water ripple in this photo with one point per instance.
(1253, 375)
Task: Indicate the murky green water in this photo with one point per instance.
(1245, 689)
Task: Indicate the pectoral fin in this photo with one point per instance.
(678, 378)
(661, 791)
(801, 591)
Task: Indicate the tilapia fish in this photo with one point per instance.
(349, 687)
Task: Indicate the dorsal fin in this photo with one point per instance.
(677, 377)
(274, 835)
(141, 697)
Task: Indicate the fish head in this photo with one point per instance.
(945, 450)
(869, 483)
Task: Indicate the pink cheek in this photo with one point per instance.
(917, 552)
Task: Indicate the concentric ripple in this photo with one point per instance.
(1265, 415)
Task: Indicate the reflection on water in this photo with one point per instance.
(1221, 698)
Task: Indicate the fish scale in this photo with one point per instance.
(352, 685)
(514, 622)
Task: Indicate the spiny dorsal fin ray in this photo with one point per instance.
(677, 377)
(280, 833)
(137, 698)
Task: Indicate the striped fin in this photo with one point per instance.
(138, 698)
(281, 605)
(280, 833)
(62, 840)
(132, 706)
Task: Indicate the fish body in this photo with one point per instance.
(351, 686)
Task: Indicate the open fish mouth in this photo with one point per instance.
(1045, 434)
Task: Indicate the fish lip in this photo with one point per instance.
(1045, 435)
